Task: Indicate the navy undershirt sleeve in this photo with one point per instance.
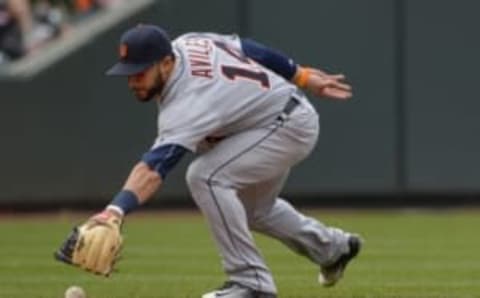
(270, 58)
(163, 158)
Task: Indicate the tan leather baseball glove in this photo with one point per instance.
(95, 245)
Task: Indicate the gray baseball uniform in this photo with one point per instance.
(248, 126)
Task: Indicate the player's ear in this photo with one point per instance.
(159, 67)
(168, 60)
(166, 65)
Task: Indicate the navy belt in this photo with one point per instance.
(292, 103)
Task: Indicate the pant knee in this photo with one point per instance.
(196, 176)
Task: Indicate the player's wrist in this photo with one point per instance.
(123, 203)
(113, 210)
(301, 76)
(107, 214)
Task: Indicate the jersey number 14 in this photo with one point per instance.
(234, 72)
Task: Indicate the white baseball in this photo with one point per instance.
(75, 292)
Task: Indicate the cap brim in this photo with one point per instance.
(126, 69)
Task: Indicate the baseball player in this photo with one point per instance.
(239, 107)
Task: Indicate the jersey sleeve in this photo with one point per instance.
(270, 58)
(163, 158)
(186, 122)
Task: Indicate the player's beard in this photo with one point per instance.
(155, 90)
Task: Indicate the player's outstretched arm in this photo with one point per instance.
(96, 244)
(314, 80)
(322, 84)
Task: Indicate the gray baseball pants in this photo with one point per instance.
(236, 186)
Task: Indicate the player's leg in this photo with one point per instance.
(214, 187)
(242, 160)
(329, 247)
(226, 218)
(277, 218)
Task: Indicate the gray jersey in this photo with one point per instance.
(215, 91)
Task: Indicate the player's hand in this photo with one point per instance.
(95, 245)
(322, 84)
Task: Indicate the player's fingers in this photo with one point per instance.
(336, 93)
(338, 77)
(341, 95)
(331, 83)
(319, 84)
(343, 86)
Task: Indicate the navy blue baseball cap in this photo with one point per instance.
(140, 47)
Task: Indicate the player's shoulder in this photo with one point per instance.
(206, 35)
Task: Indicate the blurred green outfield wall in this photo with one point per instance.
(443, 101)
(72, 134)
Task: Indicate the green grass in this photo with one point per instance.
(406, 254)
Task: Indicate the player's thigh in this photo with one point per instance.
(257, 155)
